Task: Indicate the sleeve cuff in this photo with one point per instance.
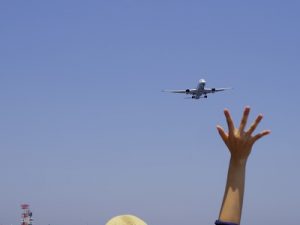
(219, 222)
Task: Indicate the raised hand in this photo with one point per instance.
(239, 141)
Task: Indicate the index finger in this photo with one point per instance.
(229, 121)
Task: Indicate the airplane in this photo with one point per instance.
(199, 91)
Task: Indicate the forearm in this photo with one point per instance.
(231, 209)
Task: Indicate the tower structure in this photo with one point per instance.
(26, 215)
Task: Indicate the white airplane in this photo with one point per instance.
(199, 91)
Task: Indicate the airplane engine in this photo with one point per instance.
(187, 91)
(213, 90)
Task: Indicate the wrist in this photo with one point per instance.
(238, 162)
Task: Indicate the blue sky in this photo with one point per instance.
(87, 134)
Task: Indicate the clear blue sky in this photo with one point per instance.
(87, 134)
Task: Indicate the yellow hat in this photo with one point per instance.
(126, 220)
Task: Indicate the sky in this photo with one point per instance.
(86, 133)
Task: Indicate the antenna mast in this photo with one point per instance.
(26, 215)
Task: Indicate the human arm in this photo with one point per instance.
(239, 143)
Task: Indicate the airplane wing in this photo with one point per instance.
(213, 90)
(187, 91)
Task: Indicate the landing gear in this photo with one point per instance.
(205, 96)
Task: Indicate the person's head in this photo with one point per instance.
(126, 220)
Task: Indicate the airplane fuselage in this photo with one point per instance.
(200, 89)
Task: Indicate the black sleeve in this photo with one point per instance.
(219, 222)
